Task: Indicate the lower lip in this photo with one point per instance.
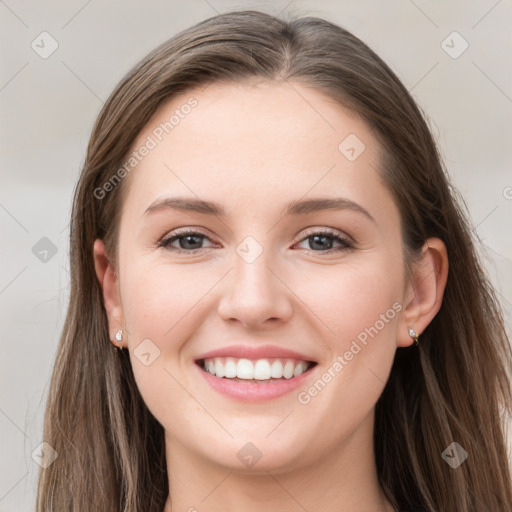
(252, 391)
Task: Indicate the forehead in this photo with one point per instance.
(268, 142)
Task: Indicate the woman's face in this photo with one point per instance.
(256, 278)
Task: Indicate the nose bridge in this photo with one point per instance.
(251, 265)
(252, 277)
(254, 293)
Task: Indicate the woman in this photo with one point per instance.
(264, 230)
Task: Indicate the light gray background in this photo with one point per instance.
(49, 105)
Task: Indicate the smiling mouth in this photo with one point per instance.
(255, 371)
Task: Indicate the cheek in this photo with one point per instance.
(160, 306)
(157, 297)
(359, 308)
(352, 299)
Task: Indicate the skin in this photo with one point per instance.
(253, 148)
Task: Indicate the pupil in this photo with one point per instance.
(321, 237)
(187, 239)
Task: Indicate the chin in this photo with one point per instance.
(255, 455)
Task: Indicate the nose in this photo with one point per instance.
(255, 295)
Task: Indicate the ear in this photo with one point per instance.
(424, 291)
(109, 285)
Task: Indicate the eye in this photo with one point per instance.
(320, 240)
(188, 240)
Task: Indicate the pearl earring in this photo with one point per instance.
(412, 334)
(119, 337)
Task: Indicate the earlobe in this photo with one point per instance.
(107, 279)
(425, 291)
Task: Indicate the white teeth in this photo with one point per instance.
(219, 369)
(230, 368)
(300, 369)
(276, 371)
(245, 369)
(288, 370)
(261, 370)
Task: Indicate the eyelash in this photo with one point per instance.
(165, 242)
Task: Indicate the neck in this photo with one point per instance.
(344, 480)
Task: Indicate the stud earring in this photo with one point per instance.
(119, 337)
(412, 334)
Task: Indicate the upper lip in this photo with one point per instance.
(252, 352)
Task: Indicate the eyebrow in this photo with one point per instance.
(300, 207)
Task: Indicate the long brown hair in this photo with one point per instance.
(455, 387)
